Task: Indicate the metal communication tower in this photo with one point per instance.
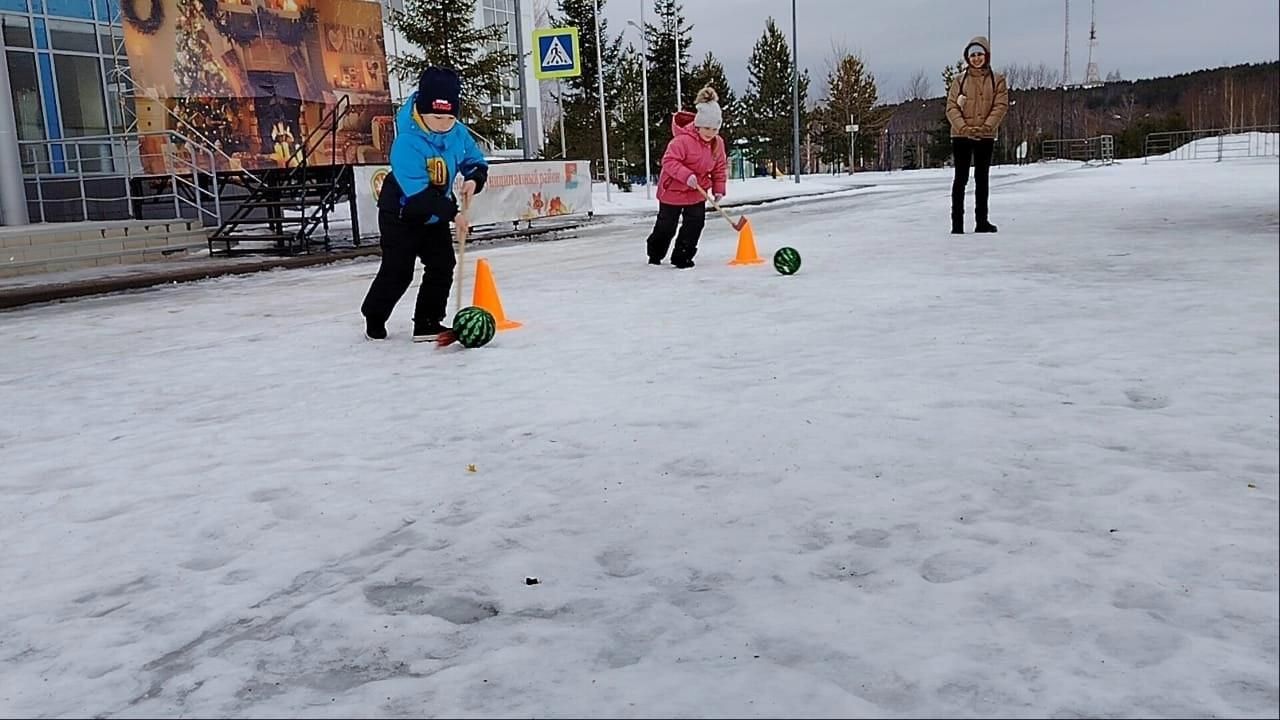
(1091, 76)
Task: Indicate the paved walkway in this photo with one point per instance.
(48, 287)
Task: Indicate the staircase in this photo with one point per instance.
(284, 207)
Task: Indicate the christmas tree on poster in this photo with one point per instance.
(204, 89)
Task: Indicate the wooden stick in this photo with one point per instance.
(737, 225)
(462, 254)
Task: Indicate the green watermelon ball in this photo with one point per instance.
(786, 261)
(474, 326)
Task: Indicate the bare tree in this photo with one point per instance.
(1031, 77)
(1017, 76)
(919, 87)
(1128, 108)
(1228, 100)
(839, 51)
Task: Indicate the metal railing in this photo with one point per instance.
(270, 195)
(1214, 144)
(101, 167)
(1100, 149)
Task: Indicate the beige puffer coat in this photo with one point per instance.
(977, 97)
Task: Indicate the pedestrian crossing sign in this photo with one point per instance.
(556, 53)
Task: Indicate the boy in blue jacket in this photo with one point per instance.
(417, 203)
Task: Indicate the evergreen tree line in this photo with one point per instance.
(1227, 98)
(758, 123)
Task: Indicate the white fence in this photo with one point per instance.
(515, 192)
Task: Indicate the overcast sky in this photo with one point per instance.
(1140, 38)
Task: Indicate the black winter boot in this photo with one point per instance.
(957, 224)
(427, 331)
(984, 227)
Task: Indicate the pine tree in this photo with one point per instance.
(949, 73)
(582, 93)
(767, 102)
(628, 112)
(851, 98)
(445, 34)
(663, 35)
(711, 72)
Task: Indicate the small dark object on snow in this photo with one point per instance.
(1113, 529)
(531, 581)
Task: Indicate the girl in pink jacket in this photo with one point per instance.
(693, 165)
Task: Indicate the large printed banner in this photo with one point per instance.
(515, 191)
(254, 77)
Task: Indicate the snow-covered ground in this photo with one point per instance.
(619, 205)
(617, 202)
(1027, 474)
(763, 189)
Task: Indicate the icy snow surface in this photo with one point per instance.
(1028, 474)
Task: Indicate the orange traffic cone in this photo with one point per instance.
(746, 246)
(486, 296)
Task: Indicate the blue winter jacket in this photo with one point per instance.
(423, 166)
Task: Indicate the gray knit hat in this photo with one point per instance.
(709, 115)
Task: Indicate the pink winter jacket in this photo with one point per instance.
(688, 154)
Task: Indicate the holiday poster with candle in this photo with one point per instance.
(252, 78)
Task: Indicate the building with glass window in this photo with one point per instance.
(63, 61)
(59, 54)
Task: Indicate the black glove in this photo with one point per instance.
(480, 175)
(431, 201)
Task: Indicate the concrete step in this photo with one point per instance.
(71, 246)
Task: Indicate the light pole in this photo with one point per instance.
(526, 138)
(604, 128)
(644, 82)
(795, 95)
(1062, 110)
(560, 102)
(676, 41)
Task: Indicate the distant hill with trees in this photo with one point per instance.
(1235, 97)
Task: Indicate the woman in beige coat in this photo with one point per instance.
(976, 104)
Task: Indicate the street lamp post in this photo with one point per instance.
(644, 81)
(795, 95)
(560, 102)
(526, 137)
(1062, 109)
(676, 42)
(604, 126)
